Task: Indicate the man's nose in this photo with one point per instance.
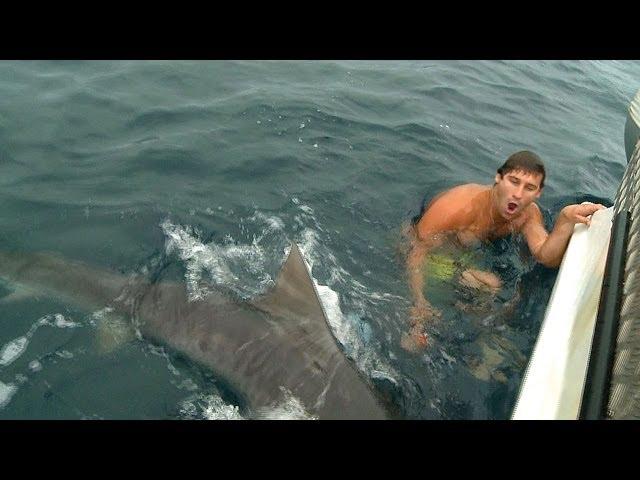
(517, 193)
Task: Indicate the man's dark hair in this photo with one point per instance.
(525, 161)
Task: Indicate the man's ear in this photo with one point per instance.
(498, 177)
(539, 192)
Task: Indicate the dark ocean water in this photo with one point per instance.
(205, 171)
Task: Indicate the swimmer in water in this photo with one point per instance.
(472, 213)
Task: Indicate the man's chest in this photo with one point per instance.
(474, 233)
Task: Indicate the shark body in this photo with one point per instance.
(275, 345)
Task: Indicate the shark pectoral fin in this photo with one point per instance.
(294, 294)
(112, 332)
(20, 292)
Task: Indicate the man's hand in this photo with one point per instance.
(549, 248)
(580, 213)
(415, 339)
(481, 280)
(420, 314)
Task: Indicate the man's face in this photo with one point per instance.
(515, 191)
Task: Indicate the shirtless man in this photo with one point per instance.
(471, 213)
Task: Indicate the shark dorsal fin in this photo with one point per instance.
(294, 294)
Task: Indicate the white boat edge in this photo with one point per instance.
(553, 382)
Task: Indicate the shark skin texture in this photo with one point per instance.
(275, 345)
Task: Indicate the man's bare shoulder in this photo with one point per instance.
(450, 210)
(458, 199)
(461, 192)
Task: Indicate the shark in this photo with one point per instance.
(266, 349)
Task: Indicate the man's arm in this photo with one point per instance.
(415, 273)
(421, 311)
(437, 221)
(549, 248)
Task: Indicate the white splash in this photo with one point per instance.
(14, 349)
(200, 258)
(331, 305)
(290, 408)
(61, 322)
(66, 354)
(309, 244)
(380, 374)
(6, 392)
(344, 327)
(35, 366)
(209, 407)
(330, 300)
(273, 222)
(236, 266)
(216, 409)
(307, 209)
(189, 248)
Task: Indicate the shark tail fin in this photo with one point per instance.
(294, 294)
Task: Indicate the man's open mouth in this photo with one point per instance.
(512, 207)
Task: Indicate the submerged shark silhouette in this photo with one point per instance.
(277, 344)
